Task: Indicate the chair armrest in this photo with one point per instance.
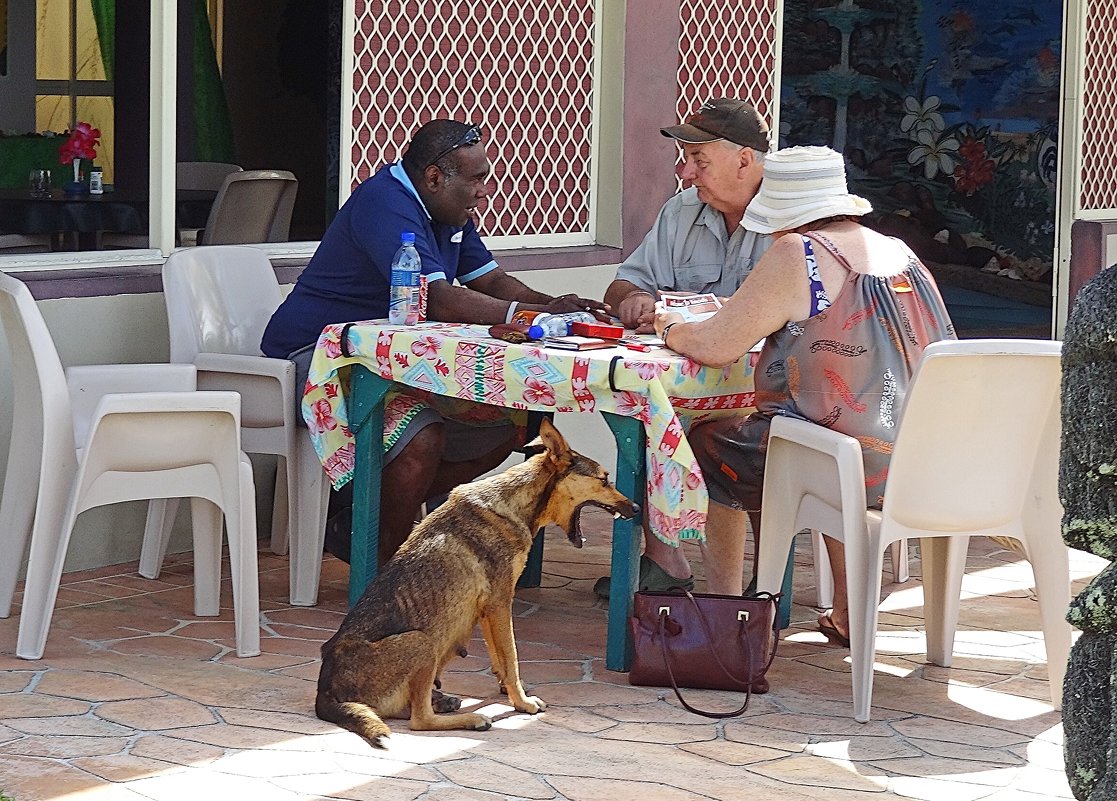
(247, 365)
(266, 386)
(87, 384)
(812, 435)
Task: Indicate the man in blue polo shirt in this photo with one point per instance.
(433, 192)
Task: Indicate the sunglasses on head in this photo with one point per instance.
(471, 136)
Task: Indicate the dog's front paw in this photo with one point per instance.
(531, 705)
(480, 722)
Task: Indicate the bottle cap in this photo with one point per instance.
(536, 332)
(407, 238)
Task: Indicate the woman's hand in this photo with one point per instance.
(665, 318)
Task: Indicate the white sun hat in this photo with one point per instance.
(801, 185)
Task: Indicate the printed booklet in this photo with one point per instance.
(692, 307)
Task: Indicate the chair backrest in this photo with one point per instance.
(978, 415)
(203, 175)
(252, 206)
(41, 401)
(219, 300)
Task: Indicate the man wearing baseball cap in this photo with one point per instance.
(697, 244)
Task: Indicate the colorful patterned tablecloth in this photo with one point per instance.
(668, 393)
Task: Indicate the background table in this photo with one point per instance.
(637, 392)
(89, 215)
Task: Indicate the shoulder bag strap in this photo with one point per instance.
(710, 639)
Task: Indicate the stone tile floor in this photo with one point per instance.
(138, 699)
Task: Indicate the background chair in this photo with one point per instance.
(976, 454)
(205, 176)
(252, 206)
(95, 436)
(219, 300)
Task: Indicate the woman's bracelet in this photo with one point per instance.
(511, 310)
(667, 328)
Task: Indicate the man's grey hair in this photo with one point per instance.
(731, 145)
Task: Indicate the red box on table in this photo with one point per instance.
(597, 330)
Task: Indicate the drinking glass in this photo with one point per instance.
(39, 183)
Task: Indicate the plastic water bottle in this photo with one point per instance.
(557, 325)
(403, 298)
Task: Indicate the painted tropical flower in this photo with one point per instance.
(921, 116)
(936, 155)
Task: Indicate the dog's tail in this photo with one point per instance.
(359, 718)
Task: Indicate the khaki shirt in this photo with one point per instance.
(689, 250)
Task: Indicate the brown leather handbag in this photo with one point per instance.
(710, 642)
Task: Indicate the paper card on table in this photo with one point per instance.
(691, 307)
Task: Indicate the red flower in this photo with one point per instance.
(81, 144)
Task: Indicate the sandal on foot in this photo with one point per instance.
(652, 577)
(827, 627)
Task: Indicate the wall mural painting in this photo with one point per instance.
(947, 113)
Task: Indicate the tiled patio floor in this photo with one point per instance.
(138, 699)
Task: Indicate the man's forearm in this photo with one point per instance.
(509, 288)
(621, 289)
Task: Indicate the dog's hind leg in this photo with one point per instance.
(496, 626)
(423, 717)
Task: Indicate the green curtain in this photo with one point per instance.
(104, 15)
(213, 130)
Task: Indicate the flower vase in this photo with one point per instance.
(75, 187)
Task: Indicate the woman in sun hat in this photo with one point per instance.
(844, 313)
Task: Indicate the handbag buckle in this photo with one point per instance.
(665, 610)
(742, 616)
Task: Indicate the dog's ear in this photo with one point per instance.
(552, 440)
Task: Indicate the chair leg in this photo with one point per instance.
(864, 564)
(823, 574)
(161, 514)
(532, 575)
(1051, 569)
(205, 518)
(240, 514)
(309, 531)
(944, 562)
(17, 514)
(285, 503)
(50, 537)
(900, 572)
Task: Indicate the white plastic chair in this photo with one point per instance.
(204, 176)
(219, 300)
(252, 206)
(976, 454)
(78, 443)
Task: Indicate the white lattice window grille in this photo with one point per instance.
(524, 71)
(1099, 108)
(730, 49)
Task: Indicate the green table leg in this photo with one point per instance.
(366, 421)
(625, 567)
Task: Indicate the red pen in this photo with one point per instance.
(640, 346)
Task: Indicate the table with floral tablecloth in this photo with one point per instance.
(648, 399)
(665, 391)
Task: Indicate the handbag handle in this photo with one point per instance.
(774, 599)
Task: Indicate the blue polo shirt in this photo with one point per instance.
(347, 279)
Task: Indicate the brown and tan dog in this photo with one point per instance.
(457, 569)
